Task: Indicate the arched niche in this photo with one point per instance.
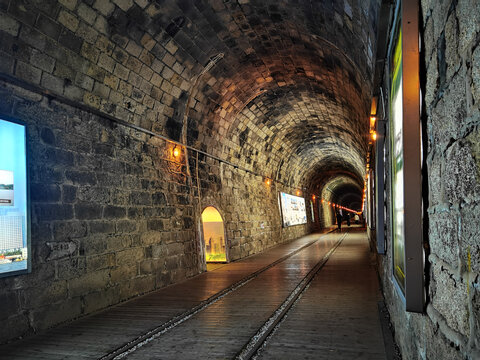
(213, 232)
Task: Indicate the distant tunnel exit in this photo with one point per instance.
(213, 235)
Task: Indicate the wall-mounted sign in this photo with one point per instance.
(14, 221)
(406, 157)
(293, 210)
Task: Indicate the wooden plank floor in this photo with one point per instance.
(221, 330)
(96, 335)
(337, 317)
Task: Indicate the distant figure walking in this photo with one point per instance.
(339, 220)
(347, 217)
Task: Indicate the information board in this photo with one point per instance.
(293, 210)
(14, 227)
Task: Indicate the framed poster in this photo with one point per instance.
(406, 157)
(14, 205)
(293, 210)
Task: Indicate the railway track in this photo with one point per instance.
(256, 341)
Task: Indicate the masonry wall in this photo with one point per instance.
(450, 326)
(114, 213)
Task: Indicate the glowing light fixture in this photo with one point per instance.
(176, 151)
(374, 136)
(268, 181)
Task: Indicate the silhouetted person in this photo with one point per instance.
(339, 220)
(347, 217)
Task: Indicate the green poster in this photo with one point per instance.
(396, 112)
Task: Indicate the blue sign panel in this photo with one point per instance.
(14, 227)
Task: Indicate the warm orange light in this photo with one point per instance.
(176, 151)
(268, 181)
(298, 192)
(373, 119)
(374, 136)
(313, 197)
(323, 201)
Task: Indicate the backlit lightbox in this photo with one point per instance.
(14, 214)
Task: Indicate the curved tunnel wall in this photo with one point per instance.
(274, 90)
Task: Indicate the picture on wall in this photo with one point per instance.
(14, 227)
(293, 210)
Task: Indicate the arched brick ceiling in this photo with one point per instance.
(291, 91)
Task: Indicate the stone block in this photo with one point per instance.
(114, 212)
(67, 230)
(106, 62)
(88, 33)
(88, 283)
(81, 177)
(470, 241)
(105, 7)
(460, 172)
(49, 212)
(101, 90)
(86, 13)
(100, 262)
(69, 193)
(130, 256)
(449, 297)
(126, 226)
(468, 24)
(52, 83)
(90, 52)
(156, 225)
(84, 81)
(28, 73)
(475, 87)
(101, 25)
(70, 40)
(16, 325)
(44, 192)
(101, 299)
(42, 61)
(10, 304)
(122, 72)
(124, 4)
(122, 273)
(9, 25)
(101, 227)
(44, 294)
(68, 20)
(71, 268)
(69, 4)
(21, 10)
(88, 211)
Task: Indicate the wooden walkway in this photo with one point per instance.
(335, 318)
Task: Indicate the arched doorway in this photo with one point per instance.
(213, 235)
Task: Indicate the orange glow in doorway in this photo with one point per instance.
(213, 235)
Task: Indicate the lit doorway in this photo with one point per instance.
(213, 236)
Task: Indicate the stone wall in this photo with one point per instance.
(450, 326)
(114, 214)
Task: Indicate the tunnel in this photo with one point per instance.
(155, 154)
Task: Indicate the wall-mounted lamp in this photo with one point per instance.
(373, 119)
(268, 181)
(176, 151)
(298, 192)
(374, 135)
(313, 197)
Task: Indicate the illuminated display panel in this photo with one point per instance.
(293, 210)
(396, 113)
(14, 226)
(214, 235)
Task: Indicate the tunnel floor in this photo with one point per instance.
(315, 297)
